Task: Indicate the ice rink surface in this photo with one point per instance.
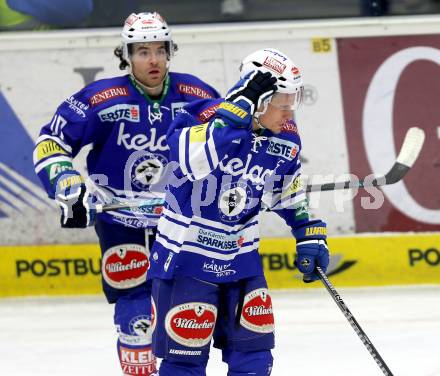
(75, 336)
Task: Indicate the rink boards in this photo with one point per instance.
(400, 259)
(349, 67)
(343, 63)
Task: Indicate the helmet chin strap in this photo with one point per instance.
(257, 114)
(258, 122)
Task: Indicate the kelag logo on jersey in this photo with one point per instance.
(282, 148)
(117, 112)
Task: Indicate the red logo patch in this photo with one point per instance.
(240, 241)
(257, 313)
(137, 361)
(191, 324)
(107, 94)
(295, 70)
(205, 115)
(294, 152)
(290, 127)
(134, 112)
(125, 265)
(131, 19)
(274, 64)
(194, 90)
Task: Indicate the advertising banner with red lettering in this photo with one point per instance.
(388, 85)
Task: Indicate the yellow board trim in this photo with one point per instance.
(401, 259)
(50, 270)
(360, 261)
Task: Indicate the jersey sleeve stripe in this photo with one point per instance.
(290, 202)
(168, 245)
(46, 162)
(218, 226)
(182, 151)
(60, 142)
(198, 160)
(211, 146)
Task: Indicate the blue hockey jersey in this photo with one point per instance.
(126, 131)
(225, 177)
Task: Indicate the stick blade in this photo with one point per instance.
(412, 145)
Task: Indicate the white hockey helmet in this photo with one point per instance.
(288, 75)
(146, 27)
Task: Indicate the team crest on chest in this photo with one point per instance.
(234, 201)
(147, 170)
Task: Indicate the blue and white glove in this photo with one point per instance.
(311, 249)
(245, 97)
(74, 200)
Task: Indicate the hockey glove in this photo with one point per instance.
(251, 91)
(311, 249)
(74, 200)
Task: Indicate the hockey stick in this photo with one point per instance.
(354, 324)
(149, 205)
(408, 154)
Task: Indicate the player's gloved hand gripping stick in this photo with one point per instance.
(74, 200)
(311, 249)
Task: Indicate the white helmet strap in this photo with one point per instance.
(257, 114)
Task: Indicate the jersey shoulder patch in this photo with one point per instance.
(106, 90)
(290, 127)
(192, 87)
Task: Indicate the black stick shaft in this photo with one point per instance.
(354, 324)
(397, 172)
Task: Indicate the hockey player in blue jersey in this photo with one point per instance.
(125, 120)
(235, 157)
